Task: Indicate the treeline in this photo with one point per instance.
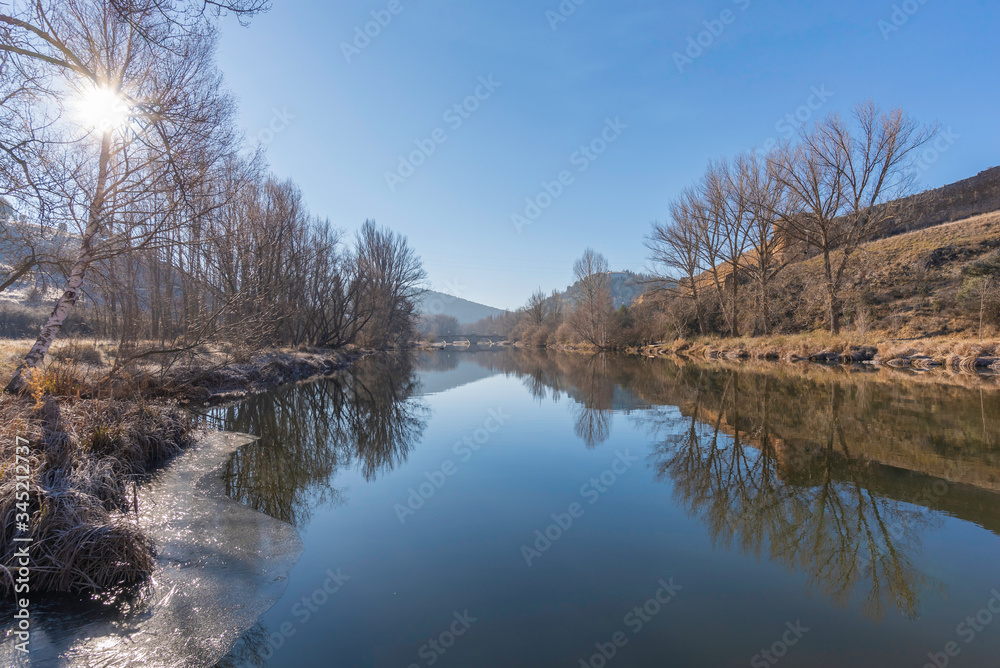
(586, 315)
(135, 195)
(722, 260)
(731, 235)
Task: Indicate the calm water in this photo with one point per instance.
(517, 508)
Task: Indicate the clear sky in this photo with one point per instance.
(558, 81)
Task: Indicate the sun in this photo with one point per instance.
(102, 109)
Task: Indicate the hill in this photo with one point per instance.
(913, 284)
(957, 201)
(626, 288)
(439, 303)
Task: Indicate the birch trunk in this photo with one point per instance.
(64, 306)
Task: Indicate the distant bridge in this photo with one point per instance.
(472, 340)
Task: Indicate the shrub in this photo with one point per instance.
(81, 353)
(985, 267)
(18, 321)
(81, 502)
(981, 293)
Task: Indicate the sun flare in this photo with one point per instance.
(102, 109)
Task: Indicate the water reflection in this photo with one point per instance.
(367, 417)
(809, 509)
(833, 473)
(599, 384)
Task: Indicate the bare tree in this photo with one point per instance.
(728, 194)
(536, 308)
(593, 304)
(391, 279)
(164, 92)
(674, 246)
(764, 260)
(710, 228)
(846, 182)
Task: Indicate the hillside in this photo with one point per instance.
(439, 303)
(911, 285)
(957, 201)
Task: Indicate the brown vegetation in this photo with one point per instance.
(810, 236)
(129, 199)
(929, 353)
(127, 183)
(85, 454)
(83, 460)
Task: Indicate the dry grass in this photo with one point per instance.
(96, 356)
(84, 456)
(92, 432)
(874, 347)
(908, 285)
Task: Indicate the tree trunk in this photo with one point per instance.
(762, 306)
(982, 304)
(833, 312)
(735, 308)
(832, 303)
(699, 308)
(64, 306)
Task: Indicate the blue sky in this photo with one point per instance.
(338, 120)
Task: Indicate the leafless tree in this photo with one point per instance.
(537, 307)
(593, 308)
(675, 249)
(727, 191)
(389, 279)
(174, 120)
(846, 180)
(765, 258)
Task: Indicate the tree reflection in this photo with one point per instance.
(589, 379)
(809, 505)
(821, 470)
(366, 416)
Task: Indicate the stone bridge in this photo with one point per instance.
(472, 340)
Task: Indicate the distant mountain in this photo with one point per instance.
(626, 287)
(439, 303)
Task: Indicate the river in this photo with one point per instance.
(532, 508)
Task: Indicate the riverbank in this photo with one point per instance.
(876, 350)
(941, 360)
(209, 559)
(207, 375)
(83, 441)
(922, 354)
